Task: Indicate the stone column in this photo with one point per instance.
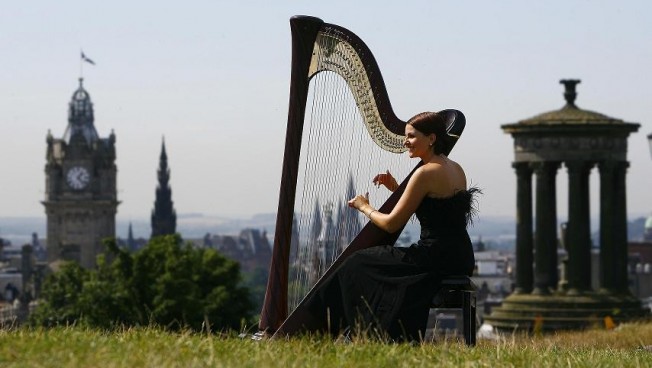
(621, 283)
(578, 231)
(607, 202)
(613, 226)
(545, 241)
(27, 261)
(524, 240)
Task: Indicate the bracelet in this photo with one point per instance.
(370, 212)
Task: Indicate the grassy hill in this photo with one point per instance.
(626, 346)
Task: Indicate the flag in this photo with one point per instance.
(87, 59)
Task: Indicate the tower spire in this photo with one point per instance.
(131, 242)
(164, 217)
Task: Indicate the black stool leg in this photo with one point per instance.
(473, 318)
(466, 313)
(459, 292)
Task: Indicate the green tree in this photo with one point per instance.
(61, 294)
(187, 286)
(256, 281)
(166, 283)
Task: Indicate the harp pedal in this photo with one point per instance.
(260, 335)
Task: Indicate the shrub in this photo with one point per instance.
(166, 283)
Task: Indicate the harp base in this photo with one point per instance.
(258, 336)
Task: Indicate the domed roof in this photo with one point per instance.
(80, 116)
(81, 94)
(80, 103)
(570, 113)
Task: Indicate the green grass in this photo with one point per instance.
(151, 347)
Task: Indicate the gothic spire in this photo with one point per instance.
(131, 242)
(315, 227)
(164, 217)
(348, 220)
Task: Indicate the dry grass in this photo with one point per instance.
(626, 346)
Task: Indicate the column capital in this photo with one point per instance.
(522, 168)
(611, 165)
(579, 166)
(545, 167)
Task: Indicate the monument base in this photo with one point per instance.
(530, 312)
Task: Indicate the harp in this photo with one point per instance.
(334, 145)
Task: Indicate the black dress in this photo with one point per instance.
(387, 290)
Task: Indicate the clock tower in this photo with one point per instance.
(80, 187)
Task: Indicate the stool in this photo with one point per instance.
(459, 292)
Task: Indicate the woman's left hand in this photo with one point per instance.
(359, 201)
(387, 180)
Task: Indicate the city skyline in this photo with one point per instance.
(213, 80)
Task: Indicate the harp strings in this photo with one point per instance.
(338, 160)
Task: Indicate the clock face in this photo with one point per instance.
(78, 177)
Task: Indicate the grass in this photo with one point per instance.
(627, 346)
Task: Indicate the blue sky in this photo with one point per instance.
(212, 77)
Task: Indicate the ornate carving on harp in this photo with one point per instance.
(349, 134)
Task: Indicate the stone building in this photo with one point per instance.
(80, 186)
(250, 248)
(580, 140)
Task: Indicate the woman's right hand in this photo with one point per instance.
(387, 180)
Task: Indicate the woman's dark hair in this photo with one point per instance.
(432, 123)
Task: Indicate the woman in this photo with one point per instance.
(386, 289)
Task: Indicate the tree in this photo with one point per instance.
(166, 283)
(60, 295)
(256, 281)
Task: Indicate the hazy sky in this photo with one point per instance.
(213, 76)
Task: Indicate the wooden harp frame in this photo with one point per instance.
(373, 103)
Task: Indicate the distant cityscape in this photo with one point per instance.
(497, 232)
(249, 241)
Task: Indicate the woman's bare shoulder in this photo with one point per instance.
(445, 179)
(431, 167)
(430, 171)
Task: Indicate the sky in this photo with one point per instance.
(212, 77)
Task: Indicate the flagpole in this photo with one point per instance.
(81, 65)
(83, 58)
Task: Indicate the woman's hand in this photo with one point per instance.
(387, 180)
(359, 202)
